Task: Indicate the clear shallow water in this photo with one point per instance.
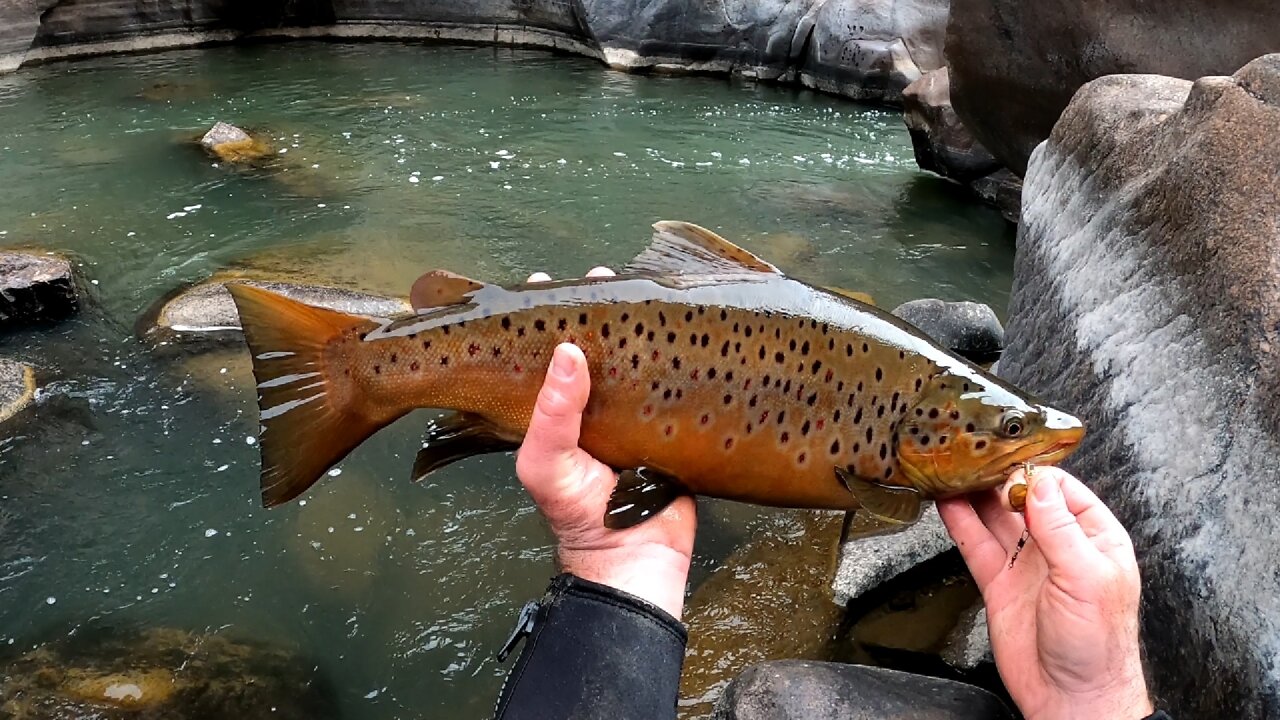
(134, 498)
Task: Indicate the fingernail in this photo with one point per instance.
(562, 365)
(1046, 491)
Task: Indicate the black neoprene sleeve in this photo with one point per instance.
(590, 652)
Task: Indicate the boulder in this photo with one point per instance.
(1147, 301)
(870, 556)
(109, 674)
(942, 143)
(1002, 190)
(205, 311)
(798, 690)
(968, 329)
(36, 287)
(1016, 63)
(17, 388)
(230, 144)
(871, 49)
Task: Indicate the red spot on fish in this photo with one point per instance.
(821, 422)
(655, 355)
(613, 372)
(669, 429)
(746, 384)
(764, 416)
(648, 410)
(472, 349)
(829, 376)
(413, 366)
(518, 368)
(694, 375)
(728, 443)
(705, 419)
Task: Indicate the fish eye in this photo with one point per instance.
(1012, 424)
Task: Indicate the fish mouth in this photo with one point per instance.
(1054, 449)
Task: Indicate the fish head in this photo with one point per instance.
(967, 433)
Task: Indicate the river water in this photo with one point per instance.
(132, 498)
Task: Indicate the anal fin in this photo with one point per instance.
(887, 502)
(457, 436)
(640, 494)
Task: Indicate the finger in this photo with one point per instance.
(981, 551)
(539, 277)
(549, 451)
(1054, 526)
(1006, 526)
(600, 271)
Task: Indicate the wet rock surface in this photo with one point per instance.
(36, 287)
(1002, 190)
(1015, 64)
(17, 388)
(870, 555)
(968, 329)
(941, 142)
(230, 144)
(1147, 300)
(794, 689)
(206, 312)
(104, 674)
(969, 643)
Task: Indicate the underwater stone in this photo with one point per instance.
(969, 643)
(36, 287)
(156, 674)
(206, 310)
(968, 329)
(1146, 300)
(230, 144)
(794, 689)
(17, 387)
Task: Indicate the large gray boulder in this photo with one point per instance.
(799, 690)
(1147, 300)
(36, 287)
(1016, 63)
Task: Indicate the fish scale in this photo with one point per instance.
(722, 377)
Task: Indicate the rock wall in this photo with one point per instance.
(1147, 299)
(1016, 63)
(866, 49)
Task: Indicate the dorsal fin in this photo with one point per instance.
(861, 297)
(441, 288)
(683, 248)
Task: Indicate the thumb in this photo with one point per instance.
(549, 452)
(1054, 527)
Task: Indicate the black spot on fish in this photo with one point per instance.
(752, 402)
(913, 430)
(777, 333)
(377, 369)
(933, 413)
(869, 434)
(966, 387)
(817, 365)
(729, 398)
(520, 331)
(705, 339)
(688, 317)
(824, 328)
(701, 309)
(506, 323)
(413, 366)
(980, 444)
(839, 386)
(737, 347)
(884, 451)
(857, 417)
(879, 374)
(639, 329)
(804, 429)
(444, 360)
(735, 327)
(831, 343)
(786, 437)
(924, 440)
(835, 447)
(446, 329)
(649, 336)
(679, 393)
(675, 363)
(539, 325)
(942, 439)
(666, 394)
(801, 458)
(866, 348)
(426, 344)
(724, 349)
(902, 355)
(622, 342)
(804, 349)
(363, 335)
(693, 339)
(626, 317)
(711, 373)
(888, 473)
(836, 417)
(811, 399)
(856, 448)
(767, 378)
(497, 352)
(919, 382)
(604, 330)
(728, 376)
(671, 337)
(786, 388)
(394, 357)
(655, 385)
(582, 318)
(761, 352)
(747, 332)
(792, 345)
(724, 315)
(782, 415)
(969, 427)
(635, 361)
(955, 414)
(880, 411)
(662, 319)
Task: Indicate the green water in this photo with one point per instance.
(133, 498)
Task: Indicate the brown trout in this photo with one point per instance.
(712, 373)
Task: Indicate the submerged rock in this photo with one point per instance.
(36, 287)
(230, 144)
(205, 311)
(969, 643)
(17, 387)
(770, 600)
(794, 689)
(1016, 63)
(1147, 301)
(968, 329)
(159, 673)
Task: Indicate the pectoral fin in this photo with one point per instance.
(641, 493)
(887, 502)
(458, 436)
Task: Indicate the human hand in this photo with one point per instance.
(571, 489)
(1064, 618)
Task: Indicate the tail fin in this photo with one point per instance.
(307, 423)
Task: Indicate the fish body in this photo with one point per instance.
(711, 371)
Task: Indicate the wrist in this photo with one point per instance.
(654, 573)
(1125, 699)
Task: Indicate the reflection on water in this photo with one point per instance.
(132, 497)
